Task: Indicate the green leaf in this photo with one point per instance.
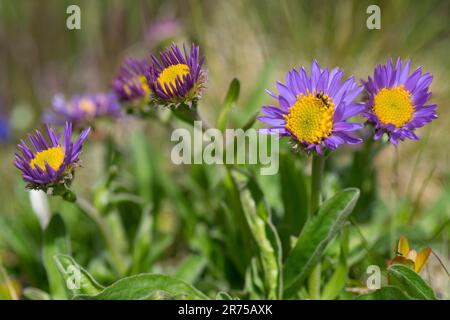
(315, 236)
(408, 280)
(35, 294)
(230, 100)
(250, 122)
(141, 244)
(76, 278)
(385, 293)
(55, 242)
(244, 239)
(265, 236)
(191, 268)
(295, 197)
(146, 286)
(185, 113)
(336, 284)
(141, 154)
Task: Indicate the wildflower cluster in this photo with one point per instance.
(175, 77)
(318, 110)
(314, 110)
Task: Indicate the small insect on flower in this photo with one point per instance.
(52, 162)
(410, 257)
(177, 77)
(82, 110)
(396, 102)
(313, 110)
(131, 84)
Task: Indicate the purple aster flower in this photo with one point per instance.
(82, 110)
(396, 102)
(50, 162)
(177, 77)
(313, 110)
(131, 84)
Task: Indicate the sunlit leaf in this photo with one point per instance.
(409, 281)
(421, 259)
(403, 246)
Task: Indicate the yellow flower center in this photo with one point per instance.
(53, 156)
(170, 74)
(87, 106)
(310, 118)
(142, 80)
(393, 106)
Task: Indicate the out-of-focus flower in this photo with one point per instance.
(130, 84)
(410, 257)
(4, 125)
(396, 102)
(177, 78)
(82, 110)
(313, 111)
(51, 163)
(4, 129)
(162, 29)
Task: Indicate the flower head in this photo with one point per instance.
(313, 110)
(50, 162)
(177, 77)
(130, 84)
(81, 110)
(396, 102)
(410, 257)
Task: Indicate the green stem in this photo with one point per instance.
(316, 187)
(316, 183)
(105, 232)
(314, 282)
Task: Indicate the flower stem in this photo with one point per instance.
(105, 232)
(316, 183)
(318, 162)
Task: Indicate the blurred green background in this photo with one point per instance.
(256, 41)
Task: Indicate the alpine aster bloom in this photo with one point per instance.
(130, 84)
(49, 163)
(177, 77)
(396, 102)
(83, 109)
(313, 110)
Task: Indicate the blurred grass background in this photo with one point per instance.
(256, 41)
